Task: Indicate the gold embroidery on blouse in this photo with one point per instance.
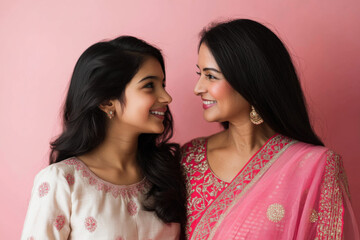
(330, 214)
(313, 216)
(209, 187)
(216, 211)
(275, 212)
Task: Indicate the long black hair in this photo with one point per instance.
(102, 73)
(256, 64)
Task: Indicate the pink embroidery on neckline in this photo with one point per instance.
(90, 224)
(59, 222)
(116, 190)
(132, 208)
(70, 179)
(119, 238)
(30, 238)
(44, 189)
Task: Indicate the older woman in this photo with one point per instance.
(267, 175)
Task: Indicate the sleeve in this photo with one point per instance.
(49, 209)
(336, 217)
(187, 150)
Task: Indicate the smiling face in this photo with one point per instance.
(145, 101)
(220, 101)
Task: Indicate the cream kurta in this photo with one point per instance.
(68, 201)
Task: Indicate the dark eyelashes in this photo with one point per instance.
(209, 76)
(151, 85)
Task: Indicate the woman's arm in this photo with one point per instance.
(336, 217)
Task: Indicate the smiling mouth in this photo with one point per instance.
(208, 103)
(158, 114)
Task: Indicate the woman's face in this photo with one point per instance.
(220, 101)
(145, 100)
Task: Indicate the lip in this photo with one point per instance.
(207, 106)
(161, 110)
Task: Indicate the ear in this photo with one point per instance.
(108, 106)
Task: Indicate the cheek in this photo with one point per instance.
(138, 106)
(220, 90)
(229, 100)
(143, 101)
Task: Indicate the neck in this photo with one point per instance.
(118, 150)
(247, 136)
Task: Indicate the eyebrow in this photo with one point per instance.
(150, 77)
(209, 69)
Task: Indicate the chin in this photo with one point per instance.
(211, 118)
(157, 129)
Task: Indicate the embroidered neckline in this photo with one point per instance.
(243, 168)
(131, 190)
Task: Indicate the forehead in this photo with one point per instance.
(206, 58)
(150, 67)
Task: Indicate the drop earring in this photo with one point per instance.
(111, 114)
(255, 118)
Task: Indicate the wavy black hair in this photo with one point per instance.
(102, 73)
(256, 64)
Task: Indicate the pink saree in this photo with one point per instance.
(287, 190)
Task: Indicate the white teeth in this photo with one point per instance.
(157, 113)
(209, 102)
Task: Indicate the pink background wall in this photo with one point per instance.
(41, 41)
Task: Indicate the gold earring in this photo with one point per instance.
(111, 114)
(255, 118)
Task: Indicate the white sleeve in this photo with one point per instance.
(49, 209)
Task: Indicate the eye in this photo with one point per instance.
(209, 76)
(198, 73)
(149, 85)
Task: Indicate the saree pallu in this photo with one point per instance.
(299, 192)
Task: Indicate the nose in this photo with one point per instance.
(199, 87)
(165, 97)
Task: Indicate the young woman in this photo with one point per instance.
(267, 175)
(112, 173)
